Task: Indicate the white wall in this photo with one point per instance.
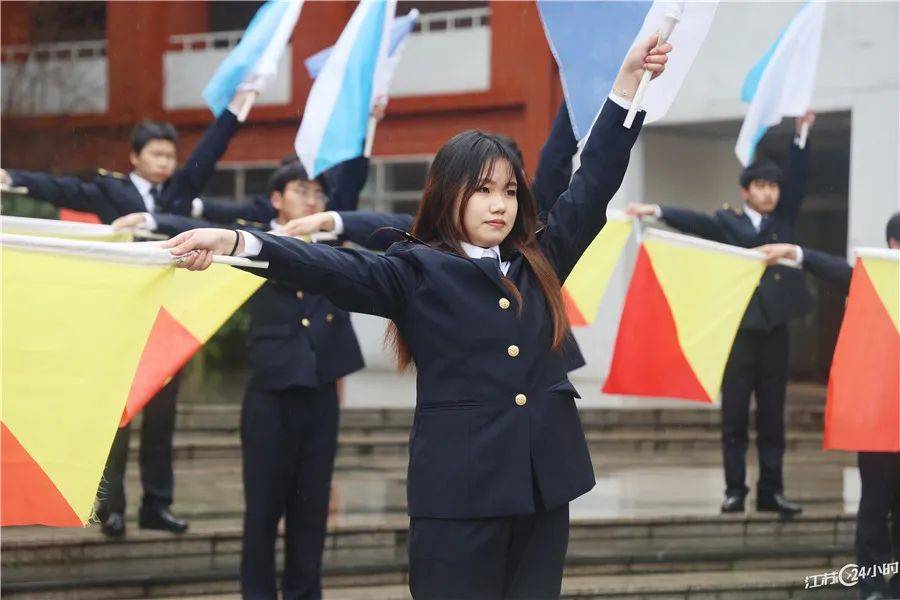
(444, 62)
(185, 74)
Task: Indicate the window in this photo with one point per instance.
(231, 16)
(395, 184)
(53, 22)
(239, 182)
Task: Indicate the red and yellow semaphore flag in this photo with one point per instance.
(862, 413)
(74, 327)
(682, 310)
(587, 283)
(198, 304)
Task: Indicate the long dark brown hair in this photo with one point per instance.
(459, 169)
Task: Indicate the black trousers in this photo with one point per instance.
(157, 474)
(288, 442)
(758, 365)
(878, 520)
(505, 557)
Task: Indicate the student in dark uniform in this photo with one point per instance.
(377, 231)
(878, 516)
(759, 357)
(497, 451)
(299, 346)
(153, 187)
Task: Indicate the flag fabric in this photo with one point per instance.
(74, 327)
(79, 230)
(586, 284)
(695, 19)
(682, 310)
(67, 214)
(254, 61)
(400, 30)
(862, 412)
(335, 120)
(781, 83)
(590, 40)
(198, 304)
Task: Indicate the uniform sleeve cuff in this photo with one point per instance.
(197, 208)
(252, 245)
(338, 222)
(150, 223)
(798, 252)
(621, 101)
(657, 211)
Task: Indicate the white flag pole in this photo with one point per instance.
(804, 133)
(695, 242)
(665, 30)
(247, 105)
(370, 136)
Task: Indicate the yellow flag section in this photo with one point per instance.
(682, 310)
(586, 284)
(73, 331)
(198, 305)
(862, 413)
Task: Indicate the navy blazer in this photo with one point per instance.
(112, 195)
(345, 183)
(375, 230)
(296, 339)
(782, 294)
(834, 269)
(554, 169)
(492, 422)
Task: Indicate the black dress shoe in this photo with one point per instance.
(778, 503)
(162, 520)
(113, 525)
(733, 503)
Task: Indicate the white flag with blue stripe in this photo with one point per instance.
(590, 40)
(336, 116)
(400, 30)
(781, 83)
(254, 61)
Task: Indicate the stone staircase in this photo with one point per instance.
(649, 529)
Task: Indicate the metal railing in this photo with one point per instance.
(209, 40)
(62, 51)
(450, 20)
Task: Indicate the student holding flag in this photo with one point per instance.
(497, 450)
(878, 516)
(153, 188)
(759, 357)
(299, 347)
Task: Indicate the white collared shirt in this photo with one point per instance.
(477, 252)
(143, 187)
(754, 216)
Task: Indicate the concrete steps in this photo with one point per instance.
(204, 446)
(225, 418)
(371, 552)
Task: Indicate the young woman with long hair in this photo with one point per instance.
(497, 450)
